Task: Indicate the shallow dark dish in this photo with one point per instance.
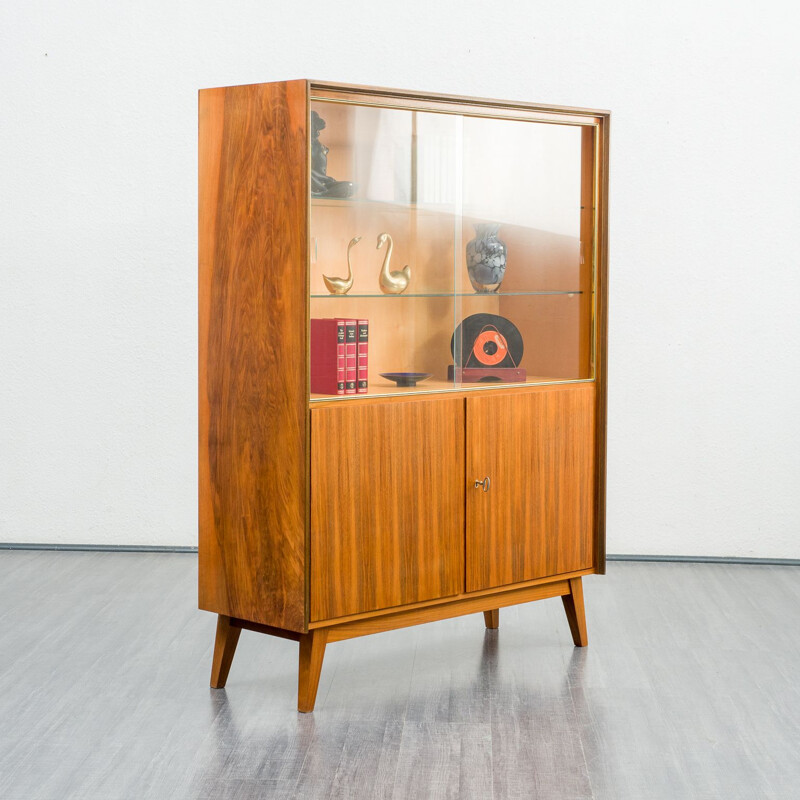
(406, 378)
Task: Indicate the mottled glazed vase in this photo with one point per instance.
(486, 259)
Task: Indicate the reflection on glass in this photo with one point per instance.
(521, 235)
(455, 219)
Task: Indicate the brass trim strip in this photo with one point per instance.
(547, 117)
(595, 218)
(307, 323)
(436, 97)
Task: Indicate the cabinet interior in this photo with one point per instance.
(427, 178)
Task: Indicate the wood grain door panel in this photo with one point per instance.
(536, 520)
(387, 505)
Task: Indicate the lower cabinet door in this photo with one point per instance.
(387, 504)
(534, 514)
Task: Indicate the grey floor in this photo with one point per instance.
(690, 688)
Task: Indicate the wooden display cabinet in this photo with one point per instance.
(326, 516)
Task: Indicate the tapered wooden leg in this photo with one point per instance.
(576, 616)
(312, 651)
(492, 618)
(224, 648)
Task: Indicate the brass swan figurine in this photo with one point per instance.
(342, 285)
(391, 282)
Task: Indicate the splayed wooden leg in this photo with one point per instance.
(312, 651)
(576, 616)
(224, 648)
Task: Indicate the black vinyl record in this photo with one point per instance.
(486, 340)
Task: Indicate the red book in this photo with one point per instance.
(350, 369)
(361, 364)
(327, 356)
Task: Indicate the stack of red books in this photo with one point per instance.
(339, 356)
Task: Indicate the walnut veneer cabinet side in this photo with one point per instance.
(323, 517)
(253, 409)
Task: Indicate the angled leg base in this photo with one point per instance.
(224, 649)
(313, 643)
(576, 616)
(312, 651)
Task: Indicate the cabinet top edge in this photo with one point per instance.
(420, 96)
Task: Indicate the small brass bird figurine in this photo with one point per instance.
(342, 285)
(391, 282)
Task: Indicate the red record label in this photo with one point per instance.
(490, 347)
(486, 341)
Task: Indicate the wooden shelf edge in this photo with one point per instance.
(438, 388)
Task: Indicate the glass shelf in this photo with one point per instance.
(443, 294)
(383, 205)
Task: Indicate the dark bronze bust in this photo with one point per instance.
(321, 184)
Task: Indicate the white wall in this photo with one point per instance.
(97, 290)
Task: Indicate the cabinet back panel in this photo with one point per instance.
(537, 519)
(252, 332)
(387, 505)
